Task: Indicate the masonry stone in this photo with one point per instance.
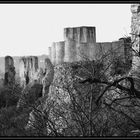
(9, 71)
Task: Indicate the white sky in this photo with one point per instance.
(28, 29)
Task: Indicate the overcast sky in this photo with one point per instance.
(28, 29)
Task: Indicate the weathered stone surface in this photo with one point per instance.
(116, 52)
(79, 44)
(28, 69)
(70, 51)
(9, 71)
(110, 48)
(50, 51)
(60, 52)
(48, 78)
(135, 30)
(39, 75)
(127, 50)
(83, 34)
(53, 53)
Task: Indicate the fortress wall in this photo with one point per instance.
(9, 71)
(70, 51)
(110, 50)
(118, 49)
(9, 62)
(79, 43)
(127, 50)
(53, 53)
(28, 69)
(49, 49)
(135, 30)
(103, 49)
(22, 68)
(82, 51)
(59, 52)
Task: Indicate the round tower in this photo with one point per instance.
(59, 52)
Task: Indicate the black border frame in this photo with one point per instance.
(68, 2)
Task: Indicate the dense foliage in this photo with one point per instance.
(85, 99)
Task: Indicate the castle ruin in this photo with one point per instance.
(28, 68)
(9, 71)
(80, 44)
(135, 31)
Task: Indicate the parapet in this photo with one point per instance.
(83, 34)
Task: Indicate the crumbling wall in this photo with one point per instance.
(9, 71)
(79, 43)
(127, 50)
(135, 30)
(53, 53)
(48, 77)
(50, 51)
(59, 52)
(28, 69)
(22, 68)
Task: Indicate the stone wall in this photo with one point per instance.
(9, 71)
(59, 52)
(79, 43)
(110, 49)
(135, 30)
(53, 53)
(70, 51)
(50, 50)
(28, 69)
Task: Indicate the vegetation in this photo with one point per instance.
(85, 99)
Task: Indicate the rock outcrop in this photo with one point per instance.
(48, 78)
(39, 75)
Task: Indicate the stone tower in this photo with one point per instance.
(79, 43)
(60, 47)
